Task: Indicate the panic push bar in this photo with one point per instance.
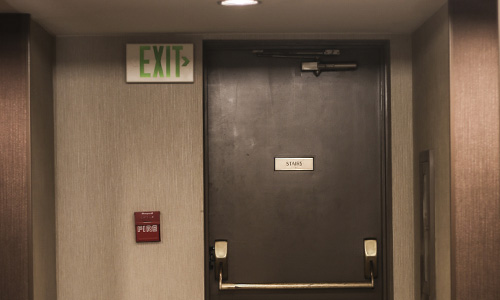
(221, 273)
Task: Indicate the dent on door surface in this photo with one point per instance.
(295, 173)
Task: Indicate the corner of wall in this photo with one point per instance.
(431, 115)
(41, 60)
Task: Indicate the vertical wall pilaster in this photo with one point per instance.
(475, 150)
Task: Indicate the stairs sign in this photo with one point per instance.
(160, 63)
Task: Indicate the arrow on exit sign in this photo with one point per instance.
(160, 63)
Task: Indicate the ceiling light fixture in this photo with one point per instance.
(238, 2)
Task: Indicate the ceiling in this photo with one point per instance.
(99, 17)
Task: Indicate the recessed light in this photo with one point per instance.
(238, 2)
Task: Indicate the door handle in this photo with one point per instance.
(221, 273)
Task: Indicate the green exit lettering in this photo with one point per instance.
(158, 52)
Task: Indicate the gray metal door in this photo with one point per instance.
(265, 120)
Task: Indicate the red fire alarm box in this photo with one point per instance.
(147, 226)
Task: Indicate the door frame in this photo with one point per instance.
(384, 45)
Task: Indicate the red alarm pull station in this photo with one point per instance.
(147, 226)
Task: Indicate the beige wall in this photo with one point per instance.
(42, 58)
(123, 147)
(402, 169)
(431, 96)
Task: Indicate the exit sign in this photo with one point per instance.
(160, 63)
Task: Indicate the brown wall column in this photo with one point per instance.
(475, 150)
(15, 221)
(27, 199)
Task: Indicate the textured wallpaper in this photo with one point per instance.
(123, 147)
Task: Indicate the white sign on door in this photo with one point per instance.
(294, 164)
(160, 63)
